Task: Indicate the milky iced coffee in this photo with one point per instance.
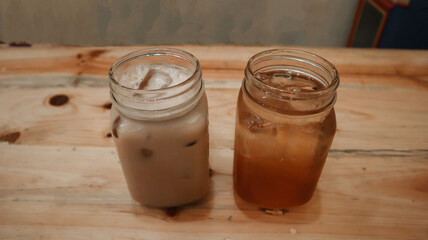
(159, 123)
(285, 124)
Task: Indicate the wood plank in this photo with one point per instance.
(212, 78)
(82, 189)
(97, 60)
(372, 118)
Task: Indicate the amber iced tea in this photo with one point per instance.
(284, 128)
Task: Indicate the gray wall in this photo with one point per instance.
(125, 22)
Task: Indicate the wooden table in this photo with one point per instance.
(60, 176)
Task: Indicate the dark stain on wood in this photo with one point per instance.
(172, 211)
(108, 135)
(96, 53)
(107, 106)
(58, 100)
(83, 58)
(11, 137)
(19, 44)
(210, 172)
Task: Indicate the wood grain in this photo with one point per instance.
(65, 188)
(60, 177)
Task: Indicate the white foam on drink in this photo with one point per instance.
(149, 76)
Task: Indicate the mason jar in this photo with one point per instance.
(285, 124)
(159, 123)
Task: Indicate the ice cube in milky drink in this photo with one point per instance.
(149, 76)
(165, 162)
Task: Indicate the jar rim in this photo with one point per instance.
(155, 52)
(163, 103)
(297, 54)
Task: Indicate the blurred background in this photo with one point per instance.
(322, 23)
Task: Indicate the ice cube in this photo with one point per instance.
(254, 122)
(146, 153)
(285, 75)
(131, 77)
(262, 76)
(298, 144)
(155, 79)
(256, 135)
(281, 81)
